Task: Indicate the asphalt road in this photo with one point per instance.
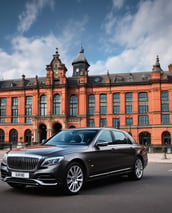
(150, 195)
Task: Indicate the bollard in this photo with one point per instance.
(164, 152)
(11, 146)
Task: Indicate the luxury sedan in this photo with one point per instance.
(74, 156)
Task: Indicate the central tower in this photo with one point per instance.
(80, 63)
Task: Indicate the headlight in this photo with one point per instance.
(52, 161)
(4, 160)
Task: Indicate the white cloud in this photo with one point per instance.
(142, 35)
(31, 55)
(118, 3)
(29, 16)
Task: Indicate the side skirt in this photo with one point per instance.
(111, 172)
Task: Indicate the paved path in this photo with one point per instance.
(159, 158)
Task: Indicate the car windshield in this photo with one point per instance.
(73, 137)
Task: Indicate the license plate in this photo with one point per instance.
(20, 174)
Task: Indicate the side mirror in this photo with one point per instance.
(102, 143)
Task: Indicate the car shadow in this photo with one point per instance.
(104, 185)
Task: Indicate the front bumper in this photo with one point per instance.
(45, 177)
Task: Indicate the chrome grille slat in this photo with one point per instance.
(22, 163)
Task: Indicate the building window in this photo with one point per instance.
(164, 96)
(116, 97)
(165, 107)
(129, 109)
(73, 106)
(2, 110)
(103, 104)
(143, 97)
(143, 103)
(56, 104)
(91, 123)
(116, 123)
(143, 109)
(28, 109)
(129, 103)
(129, 121)
(129, 97)
(116, 103)
(91, 104)
(143, 120)
(15, 110)
(103, 122)
(43, 105)
(165, 118)
(116, 110)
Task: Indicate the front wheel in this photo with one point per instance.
(137, 173)
(74, 178)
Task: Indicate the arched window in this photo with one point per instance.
(73, 106)
(2, 135)
(28, 136)
(103, 104)
(43, 105)
(166, 138)
(91, 104)
(145, 138)
(56, 104)
(14, 136)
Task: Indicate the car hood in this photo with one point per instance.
(48, 150)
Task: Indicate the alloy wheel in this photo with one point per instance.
(75, 178)
(138, 168)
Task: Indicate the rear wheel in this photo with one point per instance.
(74, 178)
(137, 173)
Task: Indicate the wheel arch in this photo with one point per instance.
(81, 162)
(141, 157)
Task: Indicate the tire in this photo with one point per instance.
(137, 173)
(16, 185)
(74, 178)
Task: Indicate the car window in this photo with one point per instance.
(131, 139)
(73, 137)
(119, 138)
(105, 136)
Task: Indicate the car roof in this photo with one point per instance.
(94, 128)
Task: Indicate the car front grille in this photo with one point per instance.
(23, 163)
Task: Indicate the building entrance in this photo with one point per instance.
(42, 132)
(145, 138)
(57, 127)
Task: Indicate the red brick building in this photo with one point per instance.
(32, 109)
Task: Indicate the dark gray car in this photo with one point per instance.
(73, 157)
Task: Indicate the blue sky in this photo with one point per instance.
(117, 35)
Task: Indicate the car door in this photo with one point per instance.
(124, 152)
(102, 156)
